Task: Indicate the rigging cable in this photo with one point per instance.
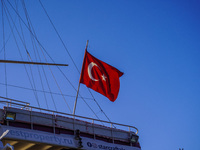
(43, 71)
(29, 57)
(6, 9)
(70, 56)
(9, 35)
(34, 47)
(34, 37)
(4, 49)
(59, 36)
(25, 88)
(49, 68)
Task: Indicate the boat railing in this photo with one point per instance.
(9, 101)
(92, 122)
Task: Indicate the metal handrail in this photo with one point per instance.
(57, 112)
(27, 104)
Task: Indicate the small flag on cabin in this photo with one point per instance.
(100, 76)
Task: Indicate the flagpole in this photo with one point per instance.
(79, 80)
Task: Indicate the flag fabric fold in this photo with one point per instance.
(100, 76)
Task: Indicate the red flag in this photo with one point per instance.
(100, 76)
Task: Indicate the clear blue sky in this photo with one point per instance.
(155, 43)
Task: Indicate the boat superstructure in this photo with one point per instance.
(32, 128)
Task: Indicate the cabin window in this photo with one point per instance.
(10, 116)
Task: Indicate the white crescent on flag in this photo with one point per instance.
(90, 66)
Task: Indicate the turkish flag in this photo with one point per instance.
(100, 76)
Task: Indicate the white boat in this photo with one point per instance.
(27, 127)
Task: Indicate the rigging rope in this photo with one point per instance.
(4, 49)
(34, 47)
(59, 36)
(9, 35)
(6, 9)
(25, 88)
(32, 35)
(28, 55)
(71, 59)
